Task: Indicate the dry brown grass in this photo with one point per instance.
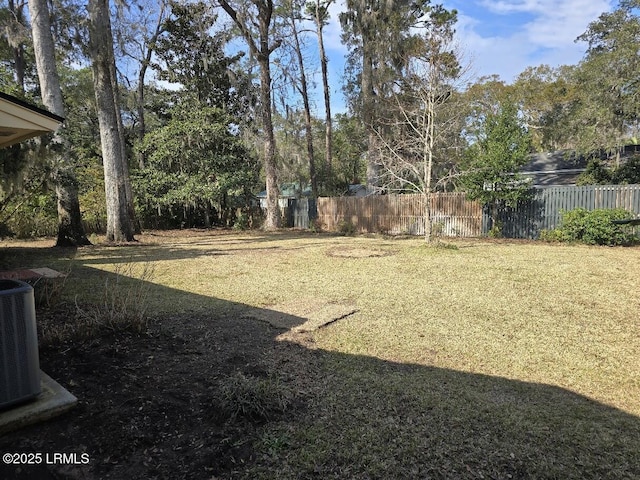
(488, 359)
(556, 314)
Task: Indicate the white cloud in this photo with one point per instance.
(333, 31)
(492, 54)
(499, 37)
(544, 33)
(560, 23)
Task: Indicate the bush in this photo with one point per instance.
(496, 230)
(554, 235)
(32, 216)
(242, 222)
(316, 226)
(595, 227)
(346, 228)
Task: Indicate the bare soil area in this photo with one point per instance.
(167, 403)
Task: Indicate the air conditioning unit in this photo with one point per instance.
(19, 362)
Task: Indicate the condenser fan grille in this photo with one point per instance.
(19, 363)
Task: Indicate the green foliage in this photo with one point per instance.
(189, 53)
(496, 230)
(609, 94)
(501, 148)
(546, 97)
(593, 227)
(349, 147)
(598, 173)
(35, 215)
(195, 161)
(27, 201)
(81, 123)
(381, 37)
(242, 222)
(554, 235)
(92, 197)
(628, 172)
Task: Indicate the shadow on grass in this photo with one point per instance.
(213, 392)
(14, 256)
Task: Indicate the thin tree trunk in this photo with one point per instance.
(119, 221)
(142, 128)
(325, 88)
(16, 44)
(123, 155)
(328, 132)
(368, 110)
(304, 92)
(428, 164)
(70, 229)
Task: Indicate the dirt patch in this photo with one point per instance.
(358, 252)
(167, 403)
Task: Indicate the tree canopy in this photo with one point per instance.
(500, 148)
(199, 90)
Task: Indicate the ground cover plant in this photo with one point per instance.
(486, 359)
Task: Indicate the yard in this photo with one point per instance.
(297, 355)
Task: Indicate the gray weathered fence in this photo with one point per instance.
(296, 212)
(544, 210)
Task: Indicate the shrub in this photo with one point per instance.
(242, 222)
(346, 228)
(596, 227)
(554, 235)
(316, 226)
(496, 230)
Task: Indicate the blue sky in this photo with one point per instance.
(500, 37)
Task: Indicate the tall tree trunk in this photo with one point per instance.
(272, 220)
(127, 181)
(70, 229)
(262, 50)
(368, 114)
(116, 172)
(18, 56)
(142, 126)
(429, 143)
(328, 132)
(304, 92)
(16, 42)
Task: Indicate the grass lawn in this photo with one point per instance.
(491, 359)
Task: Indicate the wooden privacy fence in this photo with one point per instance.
(452, 214)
